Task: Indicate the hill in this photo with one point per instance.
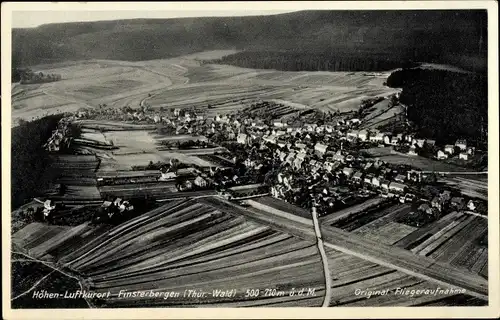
(454, 37)
(445, 105)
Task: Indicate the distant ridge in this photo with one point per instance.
(452, 37)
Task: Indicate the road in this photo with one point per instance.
(392, 257)
(324, 260)
(458, 172)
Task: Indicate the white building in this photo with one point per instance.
(242, 138)
(321, 148)
(353, 134)
(200, 182)
(270, 139)
(441, 155)
(420, 142)
(463, 156)
(363, 135)
(412, 151)
(387, 140)
(348, 171)
(398, 187)
(449, 149)
(379, 137)
(376, 181)
(462, 144)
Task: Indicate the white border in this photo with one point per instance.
(270, 313)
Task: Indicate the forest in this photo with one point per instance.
(28, 157)
(381, 38)
(311, 61)
(445, 105)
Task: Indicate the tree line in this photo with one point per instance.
(27, 76)
(311, 61)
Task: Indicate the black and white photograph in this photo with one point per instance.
(250, 155)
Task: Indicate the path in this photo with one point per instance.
(54, 268)
(34, 286)
(324, 259)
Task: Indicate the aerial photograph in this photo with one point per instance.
(315, 158)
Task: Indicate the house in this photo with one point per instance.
(409, 138)
(471, 206)
(400, 178)
(242, 138)
(394, 141)
(449, 149)
(441, 155)
(461, 143)
(280, 132)
(321, 148)
(387, 140)
(177, 112)
(424, 207)
(297, 163)
(446, 195)
(338, 157)
(463, 156)
(430, 142)
(328, 128)
(300, 146)
(357, 176)
(457, 202)
(320, 129)
(368, 165)
(353, 134)
(353, 121)
(413, 151)
(397, 187)
(438, 203)
(471, 150)
(384, 184)
(363, 135)
(368, 179)
(200, 182)
(420, 142)
(348, 171)
(291, 156)
(270, 139)
(376, 181)
(379, 137)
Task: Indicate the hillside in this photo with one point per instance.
(439, 36)
(445, 104)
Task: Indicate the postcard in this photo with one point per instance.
(300, 159)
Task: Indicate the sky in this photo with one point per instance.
(30, 19)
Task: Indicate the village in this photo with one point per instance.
(322, 163)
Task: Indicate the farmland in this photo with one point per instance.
(387, 154)
(185, 82)
(193, 245)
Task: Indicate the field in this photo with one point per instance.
(453, 239)
(199, 245)
(387, 154)
(470, 186)
(185, 82)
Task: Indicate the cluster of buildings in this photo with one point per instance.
(61, 136)
(302, 163)
(460, 148)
